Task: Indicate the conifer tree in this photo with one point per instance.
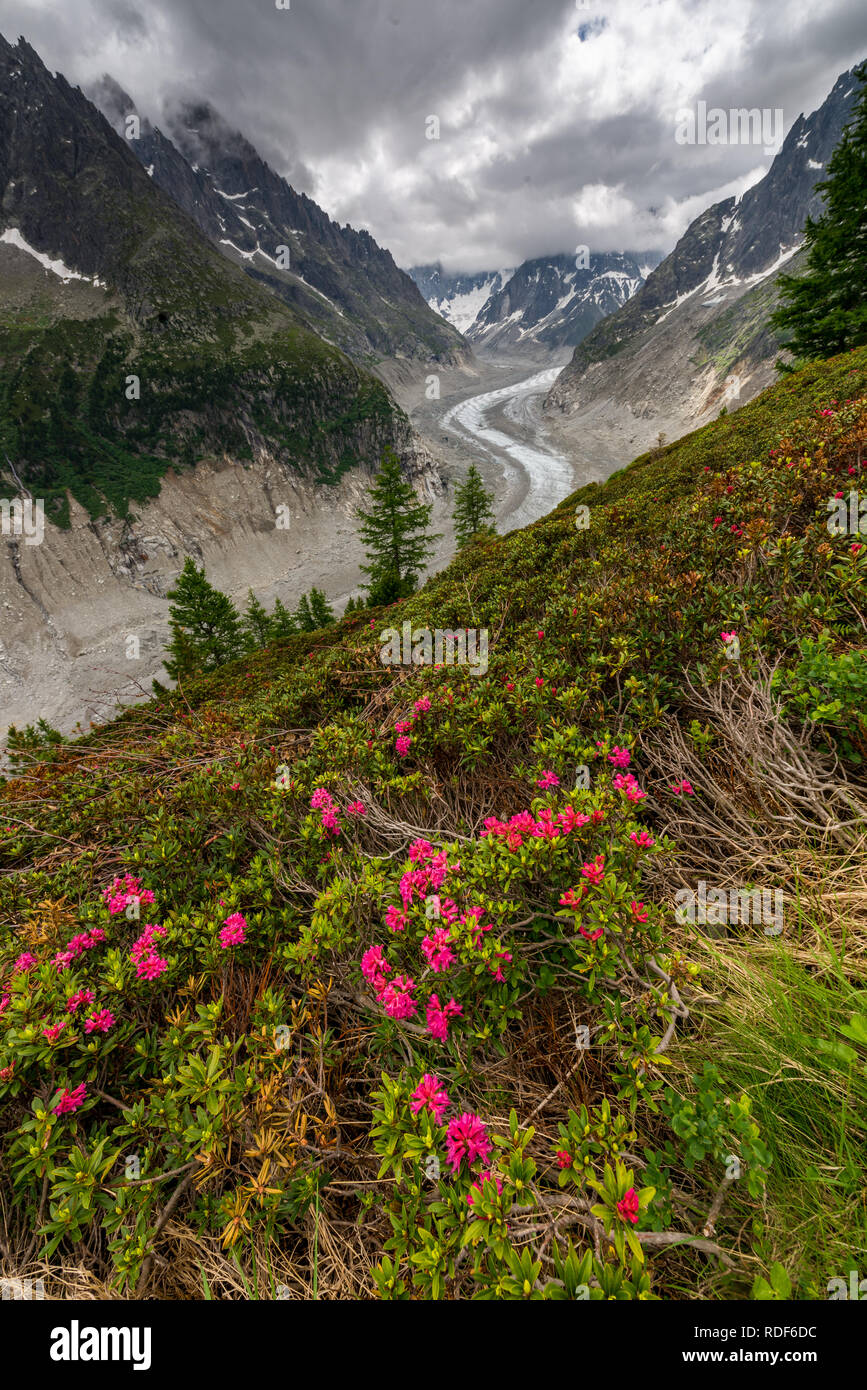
(320, 608)
(256, 623)
(283, 622)
(473, 514)
(826, 308)
(206, 629)
(395, 535)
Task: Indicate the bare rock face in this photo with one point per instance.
(84, 614)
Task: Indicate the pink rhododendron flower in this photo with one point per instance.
(682, 787)
(539, 682)
(467, 1140)
(330, 823)
(642, 839)
(402, 745)
(83, 996)
(148, 965)
(374, 968)
(627, 1207)
(564, 1159)
(627, 784)
(420, 850)
(395, 920)
(4, 1002)
(396, 998)
(234, 933)
(595, 872)
(403, 727)
(437, 949)
(548, 779)
(728, 636)
(70, 1100)
(321, 800)
(62, 960)
(24, 964)
(53, 1033)
(422, 706)
(124, 891)
(356, 808)
(620, 757)
(438, 1016)
(430, 1093)
(638, 910)
(497, 970)
(99, 1022)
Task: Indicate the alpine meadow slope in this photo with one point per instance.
(325, 976)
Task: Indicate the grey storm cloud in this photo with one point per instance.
(556, 118)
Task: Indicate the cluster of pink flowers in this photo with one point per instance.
(125, 891)
(148, 964)
(321, 801)
(467, 1140)
(234, 932)
(82, 996)
(422, 706)
(620, 757)
(84, 941)
(642, 839)
(53, 1032)
(426, 876)
(70, 1100)
(626, 783)
(99, 1022)
(437, 949)
(24, 964)
(432, 1095)
(395, 995)
(682, 788)
(546, 826)
(627, 1207)
(356, 808)
(728, 636)
(595, 871)
(402, 745)
(548, 779)
(438, 1016)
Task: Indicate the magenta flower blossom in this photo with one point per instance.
(438, 1016)
(638, 910)
(422, 706)
(356, 808)
(420, 850)
(403, 727)
(467, 1140)
(24, 964)
(595, 872)
(148, 965)
(395, 920)
(124, 891)
(402, 745)
(682, 787)
(396, 998)
(330, 823)
(70, 1100)
(626, 783)
(83, 996)
(374, 967)
(627, 1207)
(321, 800)
(99, 1022)
(234, 933)
(53, 1033)
(728, 636)
(4, 1002)
(620, 757)
(437, 949)
(643, 840)
(548, 779)
(431, 1094)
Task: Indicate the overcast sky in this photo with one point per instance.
(557, 119)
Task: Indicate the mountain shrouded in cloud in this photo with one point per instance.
(556, 124)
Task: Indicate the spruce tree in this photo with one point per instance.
(256, 623)
(283, 622)
(320, 608)
(395, 535)
(473, 515)
(303, 615)
(206, 629)
(826, 308)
